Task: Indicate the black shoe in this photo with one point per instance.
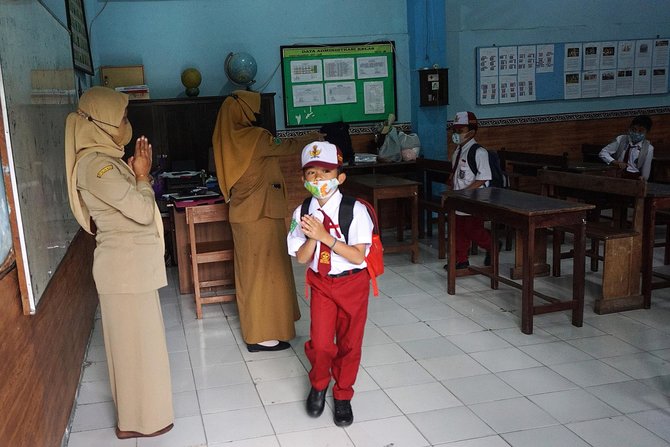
(278, 347)
(342, 415)
(316, 401)
(459, 265)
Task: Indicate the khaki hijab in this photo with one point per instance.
(94, 128)
(235, 137)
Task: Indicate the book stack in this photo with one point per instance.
(135, 91)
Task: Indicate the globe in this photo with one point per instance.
(191, 79)
(241, 68)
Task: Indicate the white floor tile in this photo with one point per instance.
(536, 380)
(386, 432)
(505, 359)
(656, 421)
(437, 370)
(630, 397)
(478, 389)
(228, 398)
(512, 415)
(590, 373)
(616, 432)
(430, 348)
(573, 406)
(187, 432)
(237, 425)
(556, 436)
(423, 397)
(384, 355)
(321, 437)
(450, 425)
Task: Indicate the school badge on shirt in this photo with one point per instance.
(324, 258)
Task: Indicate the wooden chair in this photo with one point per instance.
(431, 172)
(207, 252)
(621, 254)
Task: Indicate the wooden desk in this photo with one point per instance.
(377, 187)
(657, 198)
(526, 213)
(204, 233)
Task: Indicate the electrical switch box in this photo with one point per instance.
(434, 87)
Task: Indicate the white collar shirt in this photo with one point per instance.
(360, 232)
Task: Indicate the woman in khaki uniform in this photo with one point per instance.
(128, 266)
(248, 172)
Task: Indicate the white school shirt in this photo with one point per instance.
(463, 175)
(633, 164)
(360, 232)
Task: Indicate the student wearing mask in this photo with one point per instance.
(468, 228)
(631, 152)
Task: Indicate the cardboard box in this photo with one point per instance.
(122, 76)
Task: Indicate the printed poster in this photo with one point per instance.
(608, 55)
(642, 81)
(508, 89)
(526, 58)
(507, 61)
(488, 62)
(626, 54)
(572, 86)
(488, 90)
(643, 50)
(526, 86)
(545, 59)
(572, 58)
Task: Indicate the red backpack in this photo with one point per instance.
(375, 257)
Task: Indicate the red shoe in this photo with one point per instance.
(133, 434)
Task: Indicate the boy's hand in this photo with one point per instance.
(314, 229)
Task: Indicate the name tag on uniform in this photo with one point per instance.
(104, 171)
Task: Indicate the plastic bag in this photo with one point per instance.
(410, 145)
(390, 150)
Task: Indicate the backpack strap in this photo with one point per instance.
(346, 215)
(472, 153)
(304, 209)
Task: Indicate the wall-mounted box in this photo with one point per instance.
(121, 76)
(434, 87)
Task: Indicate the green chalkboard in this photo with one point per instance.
(345, 82)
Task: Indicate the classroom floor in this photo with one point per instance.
(437, 370)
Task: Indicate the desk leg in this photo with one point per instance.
(415, 228)
(578, 266)
(400, 219)
(527, 308)
(527, 282)
(451, 260)
(494, 255)
(648, 250)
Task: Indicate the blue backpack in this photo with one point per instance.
(498, 176)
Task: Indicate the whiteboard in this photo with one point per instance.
(38, 91)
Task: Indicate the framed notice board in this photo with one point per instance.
(345, 82)
(577, 70)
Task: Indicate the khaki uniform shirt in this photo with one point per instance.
(129, 249)
(261, 191)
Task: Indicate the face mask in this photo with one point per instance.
(126, 135)
(636, 137)
(322, 189)
(458, 138)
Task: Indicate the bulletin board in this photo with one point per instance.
(345, 82)
(567, 71)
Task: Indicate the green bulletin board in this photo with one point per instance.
(346, 82)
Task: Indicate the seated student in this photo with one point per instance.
(468, 228)
(631, 152)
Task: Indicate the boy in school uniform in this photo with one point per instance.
(468, 228)
(339, 281)
(631, 152)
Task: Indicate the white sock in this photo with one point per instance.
(269, 343)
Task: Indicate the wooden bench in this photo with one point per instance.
(430, 173)
(523, 165)
(622, 244)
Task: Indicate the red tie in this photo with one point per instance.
(324, 251)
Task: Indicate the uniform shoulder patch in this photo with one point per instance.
(104, 170)
(277, 141)
(294, 224)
